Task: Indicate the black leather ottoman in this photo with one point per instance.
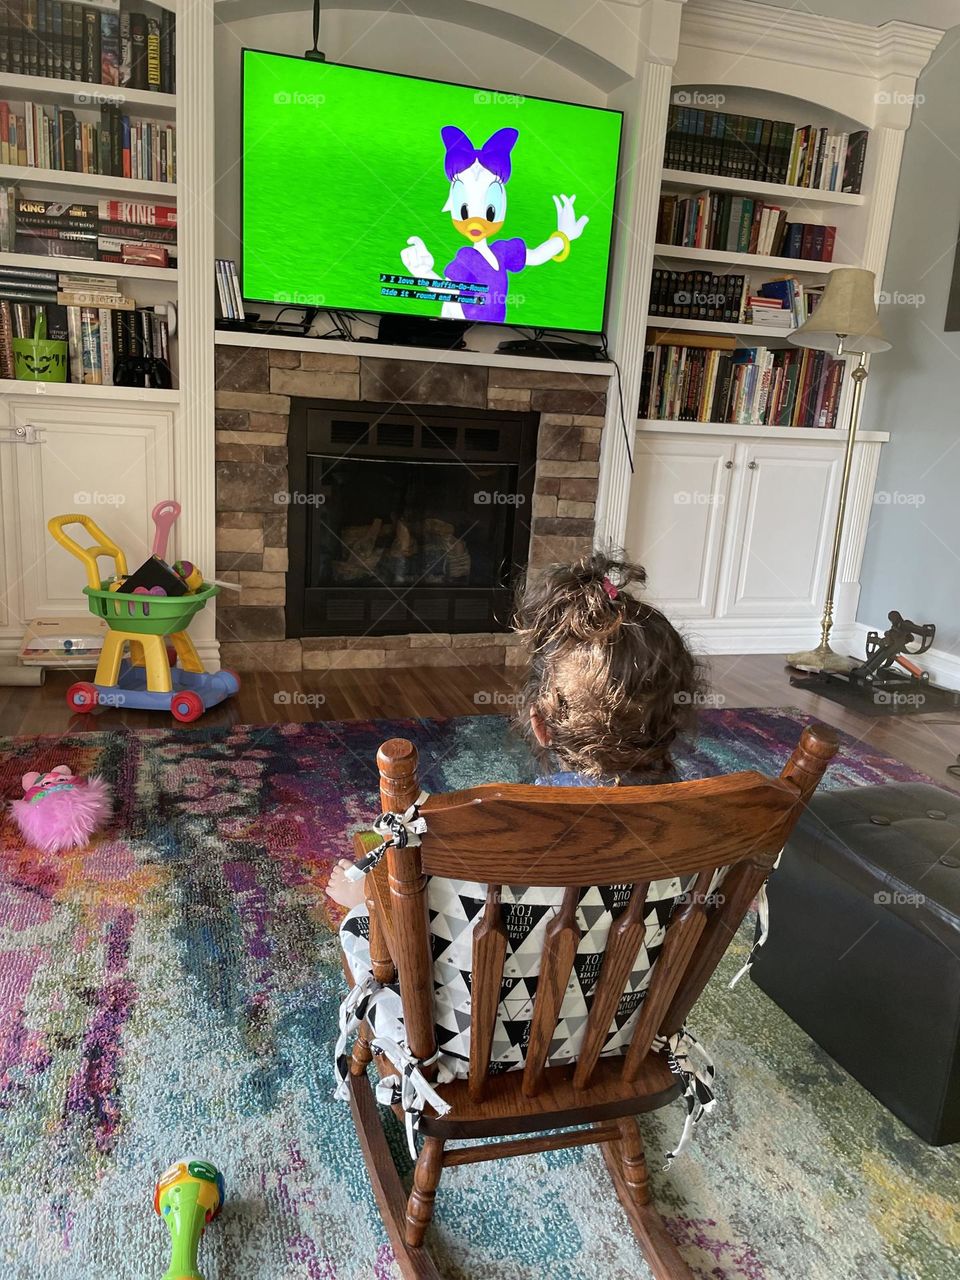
(864, 945)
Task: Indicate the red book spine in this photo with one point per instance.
(829, 240)
(148, 215)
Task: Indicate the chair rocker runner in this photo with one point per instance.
(685, 860)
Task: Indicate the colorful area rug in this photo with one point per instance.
(173, 989)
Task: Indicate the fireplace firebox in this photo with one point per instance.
(406, 519)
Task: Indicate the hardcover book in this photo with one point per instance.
(91, 46)
(138, 51)
(153, 54)
(110, 48)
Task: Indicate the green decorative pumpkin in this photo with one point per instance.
(39, 359)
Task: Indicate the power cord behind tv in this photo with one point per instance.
(623, 420)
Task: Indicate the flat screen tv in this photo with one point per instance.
(369, 191)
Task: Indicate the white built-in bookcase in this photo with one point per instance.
(745, 58)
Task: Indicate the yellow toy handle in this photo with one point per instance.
(102, 546)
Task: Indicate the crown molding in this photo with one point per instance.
(755, 30)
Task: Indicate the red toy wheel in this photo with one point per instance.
(171, 655)
(82, 697)
(186, 706)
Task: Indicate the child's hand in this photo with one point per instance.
(347, 893)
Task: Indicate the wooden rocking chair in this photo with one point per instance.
(570, 838)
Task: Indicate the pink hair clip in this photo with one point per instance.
(610, 589)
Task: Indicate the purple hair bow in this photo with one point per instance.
(493, 155)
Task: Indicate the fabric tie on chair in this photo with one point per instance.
(410, 1088)
(398, 831)
(763, 927)
(687, 1058)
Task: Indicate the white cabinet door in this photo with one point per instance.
(675, 524)
(110, 462)
(780, 530)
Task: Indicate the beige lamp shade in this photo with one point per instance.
(847, 310)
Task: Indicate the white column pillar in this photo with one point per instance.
(194, 442)
(644, 102)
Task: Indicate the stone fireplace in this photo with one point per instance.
(258, 387)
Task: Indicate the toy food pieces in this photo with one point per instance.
(190, 574)
(59, 811)
(187, 1196)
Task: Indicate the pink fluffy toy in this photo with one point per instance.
(59, 811)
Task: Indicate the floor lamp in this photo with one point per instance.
(845, 322)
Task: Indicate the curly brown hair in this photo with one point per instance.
(611, 679)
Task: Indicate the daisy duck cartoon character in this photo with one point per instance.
(477, 203)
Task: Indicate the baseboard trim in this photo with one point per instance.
(748, 636)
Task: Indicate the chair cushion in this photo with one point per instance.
(455, 906)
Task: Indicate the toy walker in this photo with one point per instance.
(187, 1197)
(154, 677)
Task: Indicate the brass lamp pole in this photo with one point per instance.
(845, 322)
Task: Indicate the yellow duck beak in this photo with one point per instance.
(476, 228)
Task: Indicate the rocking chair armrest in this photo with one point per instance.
(378, 902)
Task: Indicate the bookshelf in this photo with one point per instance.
(670, 324)
(748, 261)
(68, 391)
(94, 101)
(847, 211)
(45, 89)
(86, 266)
(34, 179)
(746, 431)
(684, 180)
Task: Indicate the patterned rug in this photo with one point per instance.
(173, 989)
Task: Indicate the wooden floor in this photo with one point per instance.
(927, 742)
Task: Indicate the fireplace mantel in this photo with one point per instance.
(426, 355)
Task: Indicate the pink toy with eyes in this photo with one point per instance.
(59, 811)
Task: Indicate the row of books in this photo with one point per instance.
(739, 224)
(54, 138)
(143, 234)
(727, 299)
(110, 341)
(705, 379)
(74, 42)
(756, 149)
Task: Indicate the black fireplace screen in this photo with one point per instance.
(404, 521)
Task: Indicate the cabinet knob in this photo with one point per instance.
(728, 464)
(752, 466)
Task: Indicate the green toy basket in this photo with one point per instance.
(146, 615)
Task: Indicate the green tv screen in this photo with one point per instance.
(367, 191)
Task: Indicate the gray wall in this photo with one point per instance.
(912, 560)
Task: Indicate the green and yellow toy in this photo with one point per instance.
(187, 1197)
